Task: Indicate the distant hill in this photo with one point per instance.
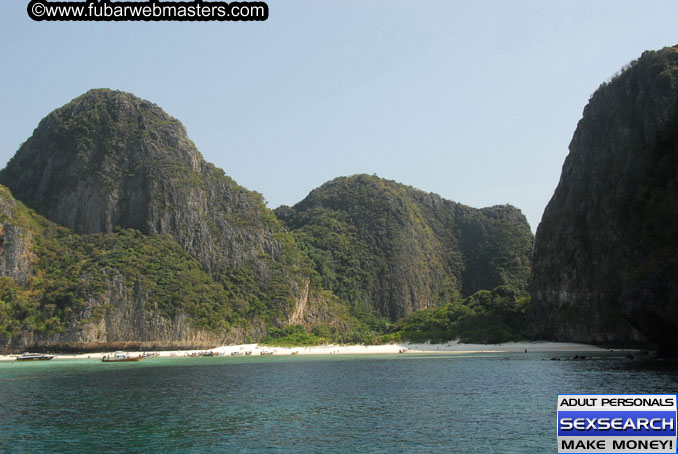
(109, 160)
(115, 232)
(378, 244)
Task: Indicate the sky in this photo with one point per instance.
(474, 100)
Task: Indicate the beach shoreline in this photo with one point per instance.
(388, 349)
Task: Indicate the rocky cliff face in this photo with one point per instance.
(605, 259)
(123, 316)
(110, 160)
(383, 245)
(15, 253)
(60, 290)
(122, 235)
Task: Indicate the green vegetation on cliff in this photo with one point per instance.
(76, 279)
(387, 249)
(292, 336)
(73, 275)
(486, 317)
(127, 234)
(108, 161)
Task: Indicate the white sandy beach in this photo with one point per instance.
(445, 348)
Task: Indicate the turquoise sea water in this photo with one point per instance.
(331, 404)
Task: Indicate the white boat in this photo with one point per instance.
(34, 357)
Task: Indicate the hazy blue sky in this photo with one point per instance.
(476, 100)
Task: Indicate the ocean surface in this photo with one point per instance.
(305, 404)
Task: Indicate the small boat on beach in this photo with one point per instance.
(202, 354)
(120, 357)
(34, 357)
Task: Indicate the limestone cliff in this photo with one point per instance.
(606, 252)
(15, 253)
(61, 290)
(121, 234)
(109, 160)
(382, 245)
